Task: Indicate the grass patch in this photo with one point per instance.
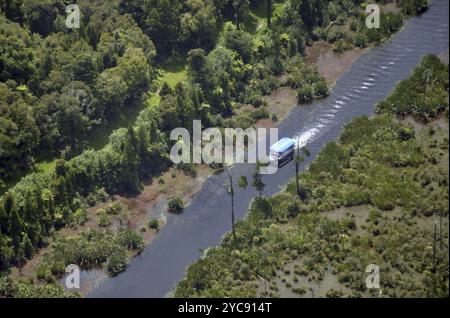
(46, 165)
(257, 19)
(174, 71)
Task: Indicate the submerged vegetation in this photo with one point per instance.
(378, 196)
(424, 95)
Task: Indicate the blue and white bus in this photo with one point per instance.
(283, 151)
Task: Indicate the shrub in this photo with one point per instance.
(114, 208)
(117, 262)
(80, 216)
(175, 205)
(293, 209)
(321, 89)
(153, 224)
(130, 240)
(188, 169)
(257, 101)
(299, 290)
(341, 46)
(320, 33)
(305, 94)
(104, 220)
(360, 40)
(98, 195)
(262, 206)
(44, 274)
(334, 294)
(261, 113)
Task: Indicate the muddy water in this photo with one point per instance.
(163, 263)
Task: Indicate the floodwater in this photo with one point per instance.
(203, 224)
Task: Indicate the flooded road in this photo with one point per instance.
(202, 225)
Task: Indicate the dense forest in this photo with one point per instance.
(60, 87)
(377, 196)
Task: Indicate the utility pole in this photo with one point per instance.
(440, 234)
(434, 247)
(297, 168)
(231, 191)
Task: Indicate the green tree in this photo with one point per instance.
(135, 71)
(18, 56)
(15, 228)
(197, 67)
(19, 135)
(240, 42)
(200, 24)
(12, 10)
(41, 15)
(161, 21)
(111, 89)
(27, 246)
(7, 205)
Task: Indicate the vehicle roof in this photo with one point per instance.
(283, 145)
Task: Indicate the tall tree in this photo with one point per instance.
(161, 22)
(15, 228)
(197, 67)
(5, 211)
(27, 246)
